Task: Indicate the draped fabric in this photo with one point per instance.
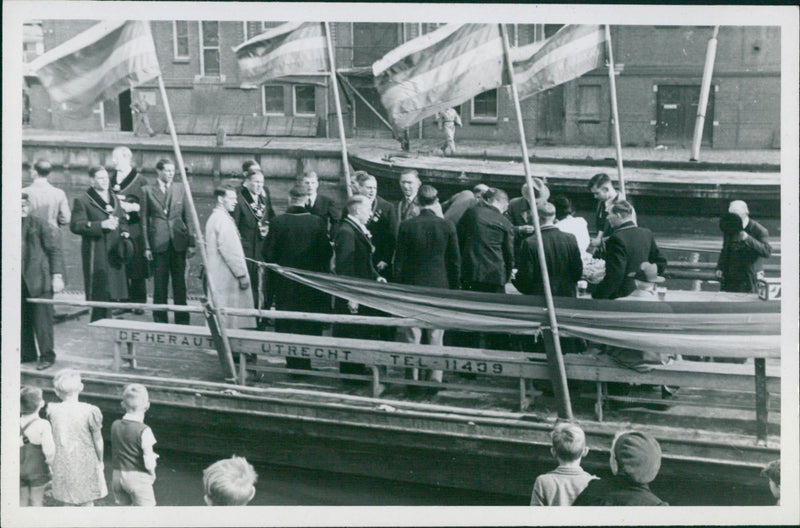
(725, 329)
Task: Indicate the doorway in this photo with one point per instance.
(550, 116)
(677, 112)
(125, 116)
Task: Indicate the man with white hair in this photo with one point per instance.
(744, 244)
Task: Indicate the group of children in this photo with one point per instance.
(635, 460)
(66, 451)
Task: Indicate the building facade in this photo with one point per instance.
(658, 85)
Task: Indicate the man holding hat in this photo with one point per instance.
(745, 242)
(635, 461)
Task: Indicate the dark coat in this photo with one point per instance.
(563, 259)
(617, 491)
(626, 249)
(104, 278)
(131, 190)
(246, 217)
(486, 243)
(427, 252)
(740, 260)
(327, 209)
(519, 214)
(165, 219)
(412, 211)
(298, 239)
(42, 256)
(382, 226)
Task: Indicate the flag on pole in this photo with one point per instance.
(571, 52)
(98, 64)
(439, 70)
(289, 49)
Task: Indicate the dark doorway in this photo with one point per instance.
(550, 116)
(125, 116)
(677, 111)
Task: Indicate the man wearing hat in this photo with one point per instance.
(745, 242)
(635, 461)
(519, 211)
(645, 280)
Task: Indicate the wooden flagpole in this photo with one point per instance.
(224, 348)
(345, 162)
(705, 88)
(614, 111)
(560, 384)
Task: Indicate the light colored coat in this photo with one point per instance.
(226, 264)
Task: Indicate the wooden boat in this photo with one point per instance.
(657, 190)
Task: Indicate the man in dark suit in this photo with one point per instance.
(519, 210)
(252, 216)
(380, 223)
(427, 255)
(486, 243)
(409, 206)
(298, 239)
(319, 204)
(168, 242)
(42, 271)
(746, 242)
(353, 249)
(626, 249)
(561, 254)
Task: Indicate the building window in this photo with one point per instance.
(484, 107)
(272, 100)
(209, 48)
(180, 39)
(304, 100)
(252, 29)
(589, 102)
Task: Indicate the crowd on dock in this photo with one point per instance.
(65, 451)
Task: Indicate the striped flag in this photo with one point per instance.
(573, 51)
(289, 49)
(439, 70)
(98, 64)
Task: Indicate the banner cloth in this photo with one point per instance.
(725, 329)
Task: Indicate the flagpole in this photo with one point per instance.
(345, 163)
(614, 111)
(561, 389)
(705, 87)
(225, 354)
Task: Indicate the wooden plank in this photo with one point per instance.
(278, 126)
(184, 123)
(205, 124)
(253, 126)
(232, 124)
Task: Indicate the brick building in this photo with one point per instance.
(657, 87)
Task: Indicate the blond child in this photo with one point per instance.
(772, 472)
(560, 486)
(229, 482)
(133, 460)
(78, 478)
(36, 448)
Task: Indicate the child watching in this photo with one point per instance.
(132, 457)
(773, 473)
(560, 486)
(78, 478)
(635, 461)
(229, 482)
(36, 449)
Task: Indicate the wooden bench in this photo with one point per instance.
(294, 126)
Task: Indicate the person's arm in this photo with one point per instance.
(230, 249)
(537, 495)
(656, 257)
(270, 212)
(525, 270)
(148, 455)
(453, 259)
(576, 263)
(457, 119)
(64, 214)
(400, 252)
(96, 428)
(758, 242)
(80, 223)
(616, 259)
(344, 249)
(508, 249)
(189, 227)
(144, 218)
(47, 442)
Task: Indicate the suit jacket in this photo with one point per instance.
(48, 202)
(131, 189)
(412, 211)
(626, 249)
(486, 242)
(353, 251)
(458, 204)
(382, 226)
(165, 219)
(42, 256)
(327, 209)
(298, 239)
(427, 252)
(740, 260)
(247, 220)
(563, 259)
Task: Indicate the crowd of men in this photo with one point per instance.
(478, 240)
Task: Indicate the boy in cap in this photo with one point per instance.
(645, 279)
(229, 482)
(560, 486)
(635, 461)
(772, 472)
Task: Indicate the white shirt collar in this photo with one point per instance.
(133, 417)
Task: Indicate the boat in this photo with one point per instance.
(658, 190)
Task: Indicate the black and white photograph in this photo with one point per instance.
(399, 264)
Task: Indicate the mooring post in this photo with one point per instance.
(762, 400)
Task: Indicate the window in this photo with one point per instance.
(304, 100)
(589, 102)
(251, 29)
(180, 39)
(209, 48)
(272, 100)
(484, 107)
